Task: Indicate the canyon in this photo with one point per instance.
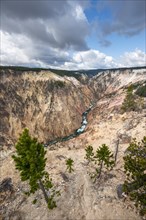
(51, 106)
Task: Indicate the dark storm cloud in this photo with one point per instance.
(39, 33)
(54, 23)
(25, 9)
(49, 56)
(128, 17)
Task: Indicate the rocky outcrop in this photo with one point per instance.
(110, 81)
(49, 105)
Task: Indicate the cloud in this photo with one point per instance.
(15, 52)
(31, 9)
(126, 18)
(53, 33)
(94, 59)
(90, 59)
(134, 58)
(58, 24)
(41, 33)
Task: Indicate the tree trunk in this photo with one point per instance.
(117, 149)
(44, 191)
(100, 169)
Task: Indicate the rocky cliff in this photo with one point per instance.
(110, 81)
(50, 106)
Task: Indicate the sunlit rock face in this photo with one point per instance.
(49, 105)
(110, 81)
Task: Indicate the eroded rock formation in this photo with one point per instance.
(49, 105)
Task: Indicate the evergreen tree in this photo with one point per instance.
(141, 91)
(69, 164)
(89, 153)
(135, 169)
(103, 157)
(30, 161)
(129, 103)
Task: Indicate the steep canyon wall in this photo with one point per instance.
(49, 105)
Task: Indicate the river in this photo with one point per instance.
(76, 133)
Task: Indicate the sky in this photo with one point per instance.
(73, 34)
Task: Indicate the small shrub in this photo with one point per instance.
(129, 103)
(69, 164)
(59, 84)
(141, 91)
(89, 153)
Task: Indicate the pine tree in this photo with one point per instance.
(129, 103)
(103, 157)
(30, 161)
(69, 164)
(135, 169)
(89, 153)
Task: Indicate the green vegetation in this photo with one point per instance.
(134, 101)
(89, 153)
(103, 157)
(69, 164)
(141, 91)
(59, 84)
(22, 68)
(135, 169)
(66, 73)
(30, 161)
(129, 103)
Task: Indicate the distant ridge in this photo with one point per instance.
(75, 73)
